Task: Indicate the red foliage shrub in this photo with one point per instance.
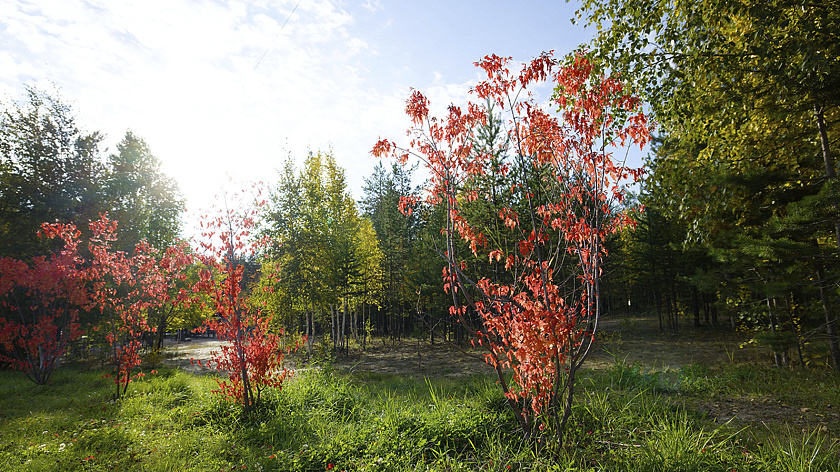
(538, 204)
(40, 303)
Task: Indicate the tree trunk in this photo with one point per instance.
(830, 171)
(669, 312)
(354, 323)
(658, 308)
(343, 324)
(831, 174)
(695, 306)
(161, 330)
(567, 404)
(790, 304)
(333, 326)
(627, 305)
(247, 399)
(675, 308)
(830, 320)
(310, 330)
(365, 324)
(778, 357)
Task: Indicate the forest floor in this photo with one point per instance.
(637, 341)
(634, 342)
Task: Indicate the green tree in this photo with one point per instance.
(146, 202)
(148, 206)
(283, 296)
(49, 171)
(370, 276)
(310, 244)
(746, 93)
(397, 233)
(343, 239)
(315, 228)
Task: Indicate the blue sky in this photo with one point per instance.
(183, 74)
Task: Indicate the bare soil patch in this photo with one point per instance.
(767, 410)
(640, 341)
(184, 354)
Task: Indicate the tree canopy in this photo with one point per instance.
(746, 94)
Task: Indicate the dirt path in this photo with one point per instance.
(183, 354)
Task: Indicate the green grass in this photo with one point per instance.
(626, 418)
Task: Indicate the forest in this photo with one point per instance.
(509, 230)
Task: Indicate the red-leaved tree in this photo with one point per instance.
(40, 305)
(124, 287)
(535, 194)
(252, 356)
(116, 290)
(40, 302)
(162, 276)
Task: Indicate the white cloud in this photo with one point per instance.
(222, 87)
(372, 6)
(182, 75)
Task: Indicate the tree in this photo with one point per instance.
(126, 288)
(343, 267)
(252, 358)
(49, 171)
(747, 96)
(40, 303)
(783, 52)
(186, 316)
(117, 292)
(297, 223)
(397, 235)
(44, 299)
(315, 227)
(370, 276)
(539, 315)
(163, 275)
(145, 202)
(282, 223)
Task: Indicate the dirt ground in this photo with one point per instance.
(633, 342)
(184, 354)
(636, 342)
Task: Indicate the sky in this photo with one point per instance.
(223, 90)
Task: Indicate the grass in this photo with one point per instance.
(626, 418)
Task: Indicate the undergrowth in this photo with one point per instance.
(625, 418)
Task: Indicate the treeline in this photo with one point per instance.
(737, 221)
(741, 222)
(90, 261)
(51, 170)
(350, 270)
(738, 218)
(335, 268)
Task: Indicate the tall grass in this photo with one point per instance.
(626, 418)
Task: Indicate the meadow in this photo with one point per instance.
(334, 415)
